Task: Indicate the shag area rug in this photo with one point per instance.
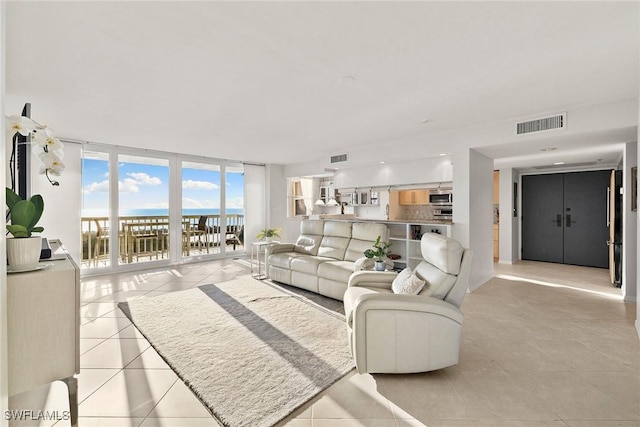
(251, 351)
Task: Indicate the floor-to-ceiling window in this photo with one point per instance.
(234, 207)
(95, 209)
(143, 209)
(200, 208)
(167, 208)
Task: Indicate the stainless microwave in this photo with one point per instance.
(441, 196)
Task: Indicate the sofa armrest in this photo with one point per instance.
(372, 279)
(279, 247)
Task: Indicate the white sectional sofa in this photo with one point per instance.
(324, 256)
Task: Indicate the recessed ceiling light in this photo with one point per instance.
(442, 154)
(347, 79)
(382, 162)
(559, 163)
(548, 149)
(425, 121)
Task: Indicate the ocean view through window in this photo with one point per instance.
(198, 214)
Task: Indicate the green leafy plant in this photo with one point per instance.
(24, 214)
(379, 250)
(268, 232)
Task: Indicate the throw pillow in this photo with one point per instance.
(407, 283)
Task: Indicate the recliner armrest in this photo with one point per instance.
(372, 279)
(391, 302)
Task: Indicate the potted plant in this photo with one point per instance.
(379, 251)
(268, 234)
(23, 249)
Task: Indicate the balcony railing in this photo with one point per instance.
(142, 238)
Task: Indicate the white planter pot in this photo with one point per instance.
(380, 266)
(23, 253)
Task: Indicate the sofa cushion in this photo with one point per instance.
(307, 244)
(337, 229)
(369, 231)
(363, 236)
(443, 252)
(310, 236)
(339, 271)
(312, 226)
(333, 247)
(336, 239)
(308, 263)
(282, 259)
(407, 283)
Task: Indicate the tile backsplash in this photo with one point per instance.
(416, 212)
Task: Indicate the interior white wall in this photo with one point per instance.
(508, 235)
(62, 204)
(629, 228)
(4, 384)
(637, 259)
(277, 204)
(255, 191)
(473, 210)
(428, 170)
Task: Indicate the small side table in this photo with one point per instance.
(258, 250)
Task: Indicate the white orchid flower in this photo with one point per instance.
(51, 163)
(21, 124)
(43, 138)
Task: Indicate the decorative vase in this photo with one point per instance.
(380, 266)
(23, 253)
(268, 239)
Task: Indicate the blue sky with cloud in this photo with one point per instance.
(146, 186)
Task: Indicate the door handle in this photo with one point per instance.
(558, 220)
(568, 224)
(608, 206)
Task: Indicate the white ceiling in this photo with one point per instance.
(290, 82)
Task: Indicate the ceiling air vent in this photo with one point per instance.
(567, 165)
(558, 121)
(339, 158)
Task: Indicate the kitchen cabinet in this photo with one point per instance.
(414, 197)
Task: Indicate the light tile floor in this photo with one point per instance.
(543, 345)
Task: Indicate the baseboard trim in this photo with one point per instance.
(638, 327)
(630, 299)
(507, 262)
(474, 286)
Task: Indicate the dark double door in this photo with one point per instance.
(564, 218)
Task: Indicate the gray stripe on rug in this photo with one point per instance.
(253, 353)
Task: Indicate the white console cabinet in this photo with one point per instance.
(43, 322)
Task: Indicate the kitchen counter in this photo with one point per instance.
(407, 221)
(351, 217)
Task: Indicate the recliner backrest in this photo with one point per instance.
(363, 236)
(336, 239)
(443, 268)
(311, 233)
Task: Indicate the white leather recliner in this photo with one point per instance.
(400, 333)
